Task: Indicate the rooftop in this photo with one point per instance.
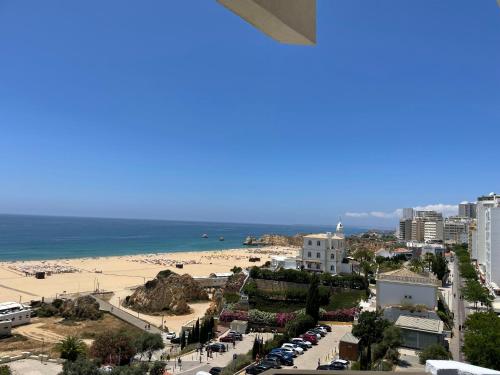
(350, 338)
(420, 324)
(404, 275)
(324, 236)
(8, 307)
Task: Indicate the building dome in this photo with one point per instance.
(340, 227)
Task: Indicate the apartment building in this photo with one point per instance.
(324, 252)
(467, 209)
(456, 230)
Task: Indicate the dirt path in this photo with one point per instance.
(34, 332)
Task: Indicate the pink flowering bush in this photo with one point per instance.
(283, 318)
(228, 316)
(341, 315)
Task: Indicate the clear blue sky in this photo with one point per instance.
(181, 110)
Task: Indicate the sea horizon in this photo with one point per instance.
(44, 237)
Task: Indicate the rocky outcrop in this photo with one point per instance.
(278, 240)
(82, 308)
(168, 292)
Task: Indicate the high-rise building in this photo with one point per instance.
(429, 215)
(467, 209)
(456, 230)
(417, 229)
(405, 229)
(407, 213)
(473, 240)
(483, 203)
(433, 230)
(492, 244)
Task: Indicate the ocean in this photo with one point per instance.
(25, 237)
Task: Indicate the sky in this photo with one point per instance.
(181, 110)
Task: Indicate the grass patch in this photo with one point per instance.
(345, 299)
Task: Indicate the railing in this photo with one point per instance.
(409, 279)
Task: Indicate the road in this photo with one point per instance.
(459, 314)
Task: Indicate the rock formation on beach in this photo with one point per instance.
(280, 240)
(168, 292)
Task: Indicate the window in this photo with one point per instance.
(332, 256)
(309, 254)
(317, 266)
(318, 243)
(308, 265)
(309, 243)
(332, 268)
(318, 255)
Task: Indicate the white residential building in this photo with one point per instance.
(324, 252)
(15, 312)
(492, 246)
(483, 203)
(404, 287)
(407, 213)
(433, 230)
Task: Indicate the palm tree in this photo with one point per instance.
(71, 348)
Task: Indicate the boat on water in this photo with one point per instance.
(204, 235)
(221, 238)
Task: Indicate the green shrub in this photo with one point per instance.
(434, 351)
(241, 361)
(5, 370)
(299, 325)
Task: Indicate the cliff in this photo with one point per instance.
(168, 292)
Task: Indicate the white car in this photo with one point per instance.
(298, 350)
(301, 340)
(170, 335)
(318, 336)
(322, 330)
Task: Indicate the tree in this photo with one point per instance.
(299, 325)
(183, 339)
(388, 348)
(482, 340)
(416, 265)
(429, 259)
(71, 348)
(157, 368)
(369, 330)
(113, 347)
(81, 366)
(148, 343)
(312, 300)
(196, 331)
(363, 254)
(5, 370)
(439, 266)
(434, 351)
(474, 292)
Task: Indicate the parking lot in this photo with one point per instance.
(326, 350)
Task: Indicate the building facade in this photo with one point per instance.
(324, 252)
(433, 230)
(405, 229)
(492, 246)
(467, 209)
(404, 287)
(456, 230)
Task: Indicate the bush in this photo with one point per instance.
(342, 315)
(299, 325)
(283, 318)
(5, 370)
(115, 347)
(231, 297)
(81, 366)
(46, 311)
(262, 318)
(241, 361)
(434, 351)
(228, 316)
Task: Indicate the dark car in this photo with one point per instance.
(227, 338)
(325, 326)
(215, 370)
(257, 369)
(284, 359)
(333, 366)
(323, 334)
(216, 347)
(237, 336)
(272, 362)
(176, 340)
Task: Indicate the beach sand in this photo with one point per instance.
(121, 274)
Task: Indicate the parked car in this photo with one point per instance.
(285, 360)
(227, 338)
(215, 370)
(170, 335)
(316, 334)
(298, 350)
(331, 366)
(238, 336)
(176, 340)
(326, 326)
(274, 363)
(312, 338)
(341, 362)
(322, 332)
(217, 347)
(320, 329)
(285, 350)
(301, 344)
(257, 369)
(300, 341)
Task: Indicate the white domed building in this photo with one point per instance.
(324, 252)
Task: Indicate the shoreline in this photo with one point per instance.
(118, 273)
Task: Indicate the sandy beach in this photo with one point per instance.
(120, 274)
